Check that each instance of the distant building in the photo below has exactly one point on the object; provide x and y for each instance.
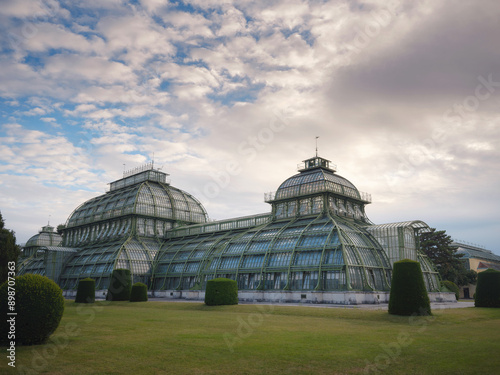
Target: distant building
(476, 259)
(316, 244)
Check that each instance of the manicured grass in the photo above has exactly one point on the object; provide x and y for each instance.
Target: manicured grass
(191, 338)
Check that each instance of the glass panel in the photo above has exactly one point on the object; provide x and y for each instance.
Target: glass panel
(313, 241)
(307, 258)
(333, 280)
(279, 259)
(259, 246)
(334, 257)
(285, 243)
(253, 261)
(229, 262)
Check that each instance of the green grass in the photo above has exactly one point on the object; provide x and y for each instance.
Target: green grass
(191, 338)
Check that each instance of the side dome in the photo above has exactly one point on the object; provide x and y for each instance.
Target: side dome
(45, 237)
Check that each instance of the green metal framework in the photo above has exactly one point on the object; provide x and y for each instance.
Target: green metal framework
(318, 189)
(32, 258)
(317, 237)
(401, 241)
(314, 239)
(318, 252)
(124, 228)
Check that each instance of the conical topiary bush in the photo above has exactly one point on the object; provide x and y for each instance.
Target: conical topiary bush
(120, 285)
(408, 293)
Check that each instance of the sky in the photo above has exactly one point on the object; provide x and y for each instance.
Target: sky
(228, 97)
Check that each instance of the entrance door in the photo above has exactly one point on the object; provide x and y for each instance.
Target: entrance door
(466, 293)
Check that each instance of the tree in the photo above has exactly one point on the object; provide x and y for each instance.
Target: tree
(9, 251)
(437, 245)
(60, 228)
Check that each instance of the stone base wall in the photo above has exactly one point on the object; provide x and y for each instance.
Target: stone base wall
(282, 296)
(340, 298)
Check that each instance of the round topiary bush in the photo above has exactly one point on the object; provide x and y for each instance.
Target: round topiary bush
(408, 293)
(488, 289)
(452, 287)
(86, 291)
(120, 285)
(39, 305)
(139, 293)
(221, 291)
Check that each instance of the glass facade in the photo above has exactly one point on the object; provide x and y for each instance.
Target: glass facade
(312, 253)
(400, 241)
(31, 259)
(317, 237)
(125, 227)
(316, 189)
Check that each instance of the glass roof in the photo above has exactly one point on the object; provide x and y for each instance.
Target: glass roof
(320, 252)
(316, 180)
(474, 252)
(146, 198)
(46, 237)
(99, 259)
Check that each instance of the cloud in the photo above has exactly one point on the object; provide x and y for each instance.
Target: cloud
(134, 39)
(70, 68)
(31, 10)
(55, 37)
(52, 160)
(48, 119)
(433, 61)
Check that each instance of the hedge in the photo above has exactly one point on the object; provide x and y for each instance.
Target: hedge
(120, 285)
(221, 291)
(39, 305)
(408, 293)
(488, 289)
(452, 287)
(139, 293)
(86, 291)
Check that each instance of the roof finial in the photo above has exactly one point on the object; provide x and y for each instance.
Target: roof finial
(317, 146)
(153, 163)
(48, 222)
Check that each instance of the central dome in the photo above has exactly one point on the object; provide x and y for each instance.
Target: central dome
(317, 176)
(316, 180)
(316, 188)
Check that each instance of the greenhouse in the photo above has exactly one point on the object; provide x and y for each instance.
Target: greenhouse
(44, 255)
(400, 241)
(123, 228)
(316, 239)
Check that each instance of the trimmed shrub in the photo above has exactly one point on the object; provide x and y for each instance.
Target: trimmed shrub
(139, 292)
(408, 293)
(488, 289)
(221, 291)
(86, 291)
(452, 287)
(120, 285)
(39, 305)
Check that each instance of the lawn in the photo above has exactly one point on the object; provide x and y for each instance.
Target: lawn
(191, 338)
